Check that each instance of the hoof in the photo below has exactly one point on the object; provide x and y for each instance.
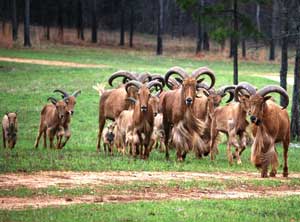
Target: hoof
(180, 159)
(239, 162)
(285, 174)
(272, 174)
(233, 155)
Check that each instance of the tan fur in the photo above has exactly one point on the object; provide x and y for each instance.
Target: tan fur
(135, 127)
(107, 141)
(51, 121)
(9, 130)
(231, 120)
(158, 134)
(274, 127)
(174, 110)
(204, 110)
(123, 123)
(111, 104)
(186, 135)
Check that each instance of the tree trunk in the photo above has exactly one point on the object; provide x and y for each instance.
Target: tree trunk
(223, 43)
(131, 27)
(206, 45)
(295, 118)
(14, 21)
(27, 24)
(48, 31)
(199, 29)
(199, 36)
(176, 21)
(284, 52)
(94, 21)
(122, 23)
(244, 48)
(159, 49)
(60, 21)
(235, 42)
(272, 49)
(273, 31)
(231, 51)
(258, 16)
(80, 26)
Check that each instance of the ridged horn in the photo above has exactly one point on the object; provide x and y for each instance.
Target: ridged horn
(120, 73)
(204, 71)
(131, 99)
(134, 83)
(175, 70)
(244, 86)
(64, 93)
(273, 88)
(52, 100)
(222, 91)
(156, 84)
(158, 78)
(76, 93)
(144, 77)
(173, 83)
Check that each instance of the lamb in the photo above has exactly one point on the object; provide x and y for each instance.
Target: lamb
(51, 122)
(108, 137)
(70, 101)
(10, 129)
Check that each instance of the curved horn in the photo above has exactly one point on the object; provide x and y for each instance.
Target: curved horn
(155, 83)
(131, 99)
(207, 91)
(175, 70)
(243, 86)
(53, 100)
(135, 83)
(121, 73)
(204, 71)
(76, 93)
(222, 90)
(202, 85)
(144, 77)
(158, 78)
(173, 83)
(229, 89)
(64, 93)
(273, 88)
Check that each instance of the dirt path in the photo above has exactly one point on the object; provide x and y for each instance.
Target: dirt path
(51, 63)
(70, 180)
(14, 203)
(275, 77)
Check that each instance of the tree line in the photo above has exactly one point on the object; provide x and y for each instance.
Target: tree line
(245, 24)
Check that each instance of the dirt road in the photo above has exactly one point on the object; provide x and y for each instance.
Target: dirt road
(51, 63)
(70, 180)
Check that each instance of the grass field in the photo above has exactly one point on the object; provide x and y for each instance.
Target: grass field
(25, 87)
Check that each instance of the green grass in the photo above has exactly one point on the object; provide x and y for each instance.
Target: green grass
(268, 209)
(25, 88)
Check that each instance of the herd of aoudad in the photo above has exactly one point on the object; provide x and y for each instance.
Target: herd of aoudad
(187, 117)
